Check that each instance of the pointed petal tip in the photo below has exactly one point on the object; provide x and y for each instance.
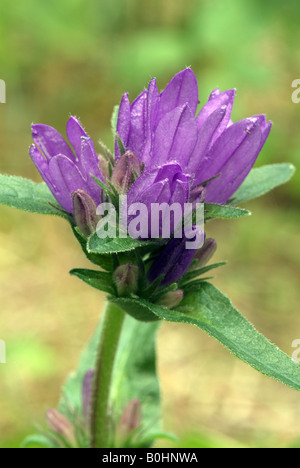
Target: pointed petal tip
(36, 129)
(33, 150)
(74, 125)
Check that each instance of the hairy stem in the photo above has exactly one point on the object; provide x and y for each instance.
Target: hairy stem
(111, 328)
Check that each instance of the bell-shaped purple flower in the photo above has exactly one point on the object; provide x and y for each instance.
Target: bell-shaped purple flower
(159, 197)
(176, 258)
(66, 170)
(164, 127)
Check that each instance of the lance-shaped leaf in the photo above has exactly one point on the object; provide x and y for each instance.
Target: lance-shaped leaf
(209, 309)
(212, 211)
(97, 279)
(263, 179)
(115, 245)
(27, 195)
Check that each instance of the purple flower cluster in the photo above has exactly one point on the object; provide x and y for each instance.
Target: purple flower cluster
(172, 155)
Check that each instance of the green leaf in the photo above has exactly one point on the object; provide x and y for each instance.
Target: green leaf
(261, 180)
(115, 245)
(95, 278)
(212, 210)
(27, 195)
(136, 308)
(212, 311)
(104, 261)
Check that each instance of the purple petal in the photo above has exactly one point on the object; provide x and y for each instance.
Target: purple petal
(42, 166)
(152, 104)
(123, 124)
(235, 183)
(265, 128)
(168, 171)
(74, 133)
(138, 124)
(159, 192)
(180, 192)
(67, 180)
(204, 139)
(173, 262)
(140, 185)
(215, 101)
(236, 168)
(182, 89)
(164, 185)
(175, 137)
(225, 146)
(50, 141)
(152, 112)
(90, 166)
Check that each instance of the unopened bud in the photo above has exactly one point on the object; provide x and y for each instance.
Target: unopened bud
(103, 166)
(84, 209)
(126, 279)
(125, 172)
(131, 420)
(171, 299)
(58, 423)
(204, 254)
(197, 195)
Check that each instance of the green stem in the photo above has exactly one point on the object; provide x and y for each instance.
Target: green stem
(111, 328)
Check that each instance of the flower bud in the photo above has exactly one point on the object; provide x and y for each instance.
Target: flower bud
(204, 254)
(103, 166)
(58, 423)
(171, 299)
(125, 172)
(126, 278)
(176, 257)
(131, 420)
(84, 212)
(197, 195)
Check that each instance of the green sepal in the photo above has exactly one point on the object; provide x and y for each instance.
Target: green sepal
(190, 275)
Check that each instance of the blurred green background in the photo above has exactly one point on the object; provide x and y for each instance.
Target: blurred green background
(78, 57)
